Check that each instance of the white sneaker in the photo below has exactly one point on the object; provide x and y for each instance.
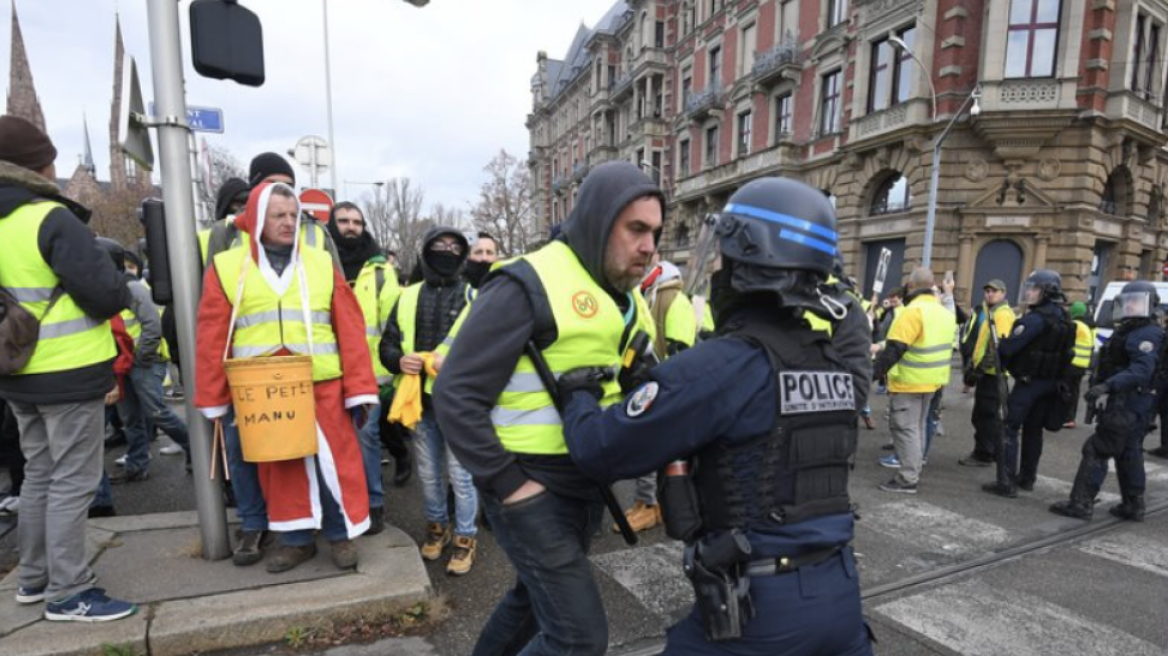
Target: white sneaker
(121, 462)
(171, 450)
(9, 505)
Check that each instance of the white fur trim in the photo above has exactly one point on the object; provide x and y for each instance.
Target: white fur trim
(215, 412)
(278, 283)
(328, 470)
(361, 399)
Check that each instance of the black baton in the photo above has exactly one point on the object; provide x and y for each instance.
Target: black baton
(549, 381)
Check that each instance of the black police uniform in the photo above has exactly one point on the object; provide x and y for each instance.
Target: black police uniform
(1037, 354)
(768, 411)
(1127, 366)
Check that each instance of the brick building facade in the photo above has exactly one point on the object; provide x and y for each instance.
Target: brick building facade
(1063, 165)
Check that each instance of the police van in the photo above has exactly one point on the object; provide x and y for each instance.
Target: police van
(1103, 322)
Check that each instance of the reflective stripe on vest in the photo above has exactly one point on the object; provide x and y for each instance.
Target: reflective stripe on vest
(927, 361)
(68, 338)
(134, 328)
(589, 330)
(266, 323)
(1084, 345)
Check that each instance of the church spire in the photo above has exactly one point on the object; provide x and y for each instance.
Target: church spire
(118, 170)
(22, 97)
(87, 156)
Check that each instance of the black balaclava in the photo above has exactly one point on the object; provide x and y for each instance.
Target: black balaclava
(443, 267)
(476, 271)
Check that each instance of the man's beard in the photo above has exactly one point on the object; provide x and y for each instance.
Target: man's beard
(619, 277)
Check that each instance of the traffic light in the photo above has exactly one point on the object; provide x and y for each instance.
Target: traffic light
(152, 214)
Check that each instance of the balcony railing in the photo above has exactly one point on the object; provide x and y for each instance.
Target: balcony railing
(602, 153)
(650, 57)
(622, 86)
(699, 104)
(762, 162)
(769, 67)
(1129, 105)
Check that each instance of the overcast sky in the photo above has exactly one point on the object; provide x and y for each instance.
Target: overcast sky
(430, 93)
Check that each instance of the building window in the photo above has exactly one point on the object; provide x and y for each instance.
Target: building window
(837, 12)
(686, 85)
(656, 164)
(880, 75)
(711, 146)
(659, 34)
(1147, 48)
(715, 66)
(683, 158)
(789, 21)
(782, 115)
(744, 122)
(893, 195)
(1032, 38)
(901, 77)
(830, 105)
(749, 43)
(611, 75)
(688, 17)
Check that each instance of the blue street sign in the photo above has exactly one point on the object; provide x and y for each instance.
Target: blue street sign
(202, 119)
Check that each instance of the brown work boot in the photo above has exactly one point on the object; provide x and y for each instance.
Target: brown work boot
(344, 554)
(437, 537)
(286, 558)
(641, 517)
(464, 554)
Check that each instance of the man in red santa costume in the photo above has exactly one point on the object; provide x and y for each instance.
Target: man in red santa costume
(257, 300)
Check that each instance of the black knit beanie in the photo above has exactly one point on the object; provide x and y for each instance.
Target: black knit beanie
(266, 164)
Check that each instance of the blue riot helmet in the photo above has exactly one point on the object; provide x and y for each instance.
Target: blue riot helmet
(1137, 300)
(1042, 285)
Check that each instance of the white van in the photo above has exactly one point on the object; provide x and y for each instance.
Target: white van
(1103, 323)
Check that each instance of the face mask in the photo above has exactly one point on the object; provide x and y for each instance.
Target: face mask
(721, 293)
(476, 271)
(444, 263)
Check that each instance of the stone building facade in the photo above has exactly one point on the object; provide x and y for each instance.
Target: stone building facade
(1061, 163)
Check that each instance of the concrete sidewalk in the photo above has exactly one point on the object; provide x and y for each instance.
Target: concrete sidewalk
(188, 605)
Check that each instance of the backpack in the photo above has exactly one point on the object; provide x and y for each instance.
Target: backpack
(19, 331)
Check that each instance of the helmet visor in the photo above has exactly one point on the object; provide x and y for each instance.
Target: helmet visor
(1032, 293)
(1132, 305)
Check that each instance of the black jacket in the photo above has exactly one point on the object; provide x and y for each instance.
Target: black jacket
(87, 274)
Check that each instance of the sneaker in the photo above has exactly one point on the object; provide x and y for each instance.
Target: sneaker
(890, 461)
(1026, 484)
(121, 461)
(1007, 491)
(973, 461)
(30, 594)
(344, 554)
(868, 423)
(463, 557)
(641, 517)
(286, 557)
(1072, 510)
(127, 476)
(1069, 424)
(437, 537)
(897, 485)
(250, 549)
(376, 521)
(90, 606)
(171, 450)
(10, 505)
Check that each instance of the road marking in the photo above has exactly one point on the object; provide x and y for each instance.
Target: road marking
(973, 619)
(1131, 550)
(652, 574)
(932, 527)
(1056, 489)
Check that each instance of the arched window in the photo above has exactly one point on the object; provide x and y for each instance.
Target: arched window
(1114, 193)
(893, 195)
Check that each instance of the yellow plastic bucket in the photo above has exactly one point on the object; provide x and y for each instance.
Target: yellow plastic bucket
(274, 406)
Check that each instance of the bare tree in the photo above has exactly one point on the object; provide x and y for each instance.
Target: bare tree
(115, 215)
(440, 215)
(395, 217)
(505, 206)
(223, 165)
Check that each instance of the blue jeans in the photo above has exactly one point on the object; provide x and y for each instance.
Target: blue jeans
(141, 409)
(370, 437)
(245, 480)
(932, 421)
(555, 605)
(332, 524)
(435, 457)
(105, 494)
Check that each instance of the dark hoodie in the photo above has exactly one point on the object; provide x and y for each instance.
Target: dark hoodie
(494, 334)
(86, 274)
(354, 251)
(228, 191)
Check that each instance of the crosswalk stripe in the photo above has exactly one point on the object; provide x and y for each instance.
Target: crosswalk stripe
(1131, 550)
(932, 527)
(1056, 489)
(973, 619)
(652, 574)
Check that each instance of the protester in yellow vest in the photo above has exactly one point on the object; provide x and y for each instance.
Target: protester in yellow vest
(272, 296)
(981, 371)
(915, 362)
(1084, 348)
(52, 269)
(573, 301)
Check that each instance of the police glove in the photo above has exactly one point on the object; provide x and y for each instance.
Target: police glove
(1095, 392)
(586, 379)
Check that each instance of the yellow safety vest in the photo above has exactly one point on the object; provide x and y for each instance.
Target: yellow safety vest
(376, 306)
(204, 236)
(678, 323)
(1084, 345)
(68, 338)
(590, 332)
(266, 322)
(927, 361)
(991, 316)
(407, 323)
(134, 329)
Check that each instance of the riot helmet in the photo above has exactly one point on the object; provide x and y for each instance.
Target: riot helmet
(1137, 300)
(116, 252)
(779, 236)
(1042, 285)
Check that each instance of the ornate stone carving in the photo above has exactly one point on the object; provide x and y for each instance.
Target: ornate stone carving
(1049, 168)
(1029, 91)
(977, 169)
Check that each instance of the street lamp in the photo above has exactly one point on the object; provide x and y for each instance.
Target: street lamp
(900, 45)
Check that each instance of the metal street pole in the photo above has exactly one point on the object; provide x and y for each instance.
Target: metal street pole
(181, 244)
(328, 87)
(935, 179)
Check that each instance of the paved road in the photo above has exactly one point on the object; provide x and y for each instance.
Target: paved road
(1101, 595)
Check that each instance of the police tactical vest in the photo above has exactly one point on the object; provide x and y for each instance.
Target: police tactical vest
(1050, 355)
(799, 470)
(68, 338)
(1113, 358)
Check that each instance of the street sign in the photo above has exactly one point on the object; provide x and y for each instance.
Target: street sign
(317, 203)
(133, 131)
(881, 271)
(202, 119)
(314, 154)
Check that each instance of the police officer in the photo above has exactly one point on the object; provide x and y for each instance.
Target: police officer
(1127, 365)
(766, 416)
(1037, 354)
(1161, 384)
